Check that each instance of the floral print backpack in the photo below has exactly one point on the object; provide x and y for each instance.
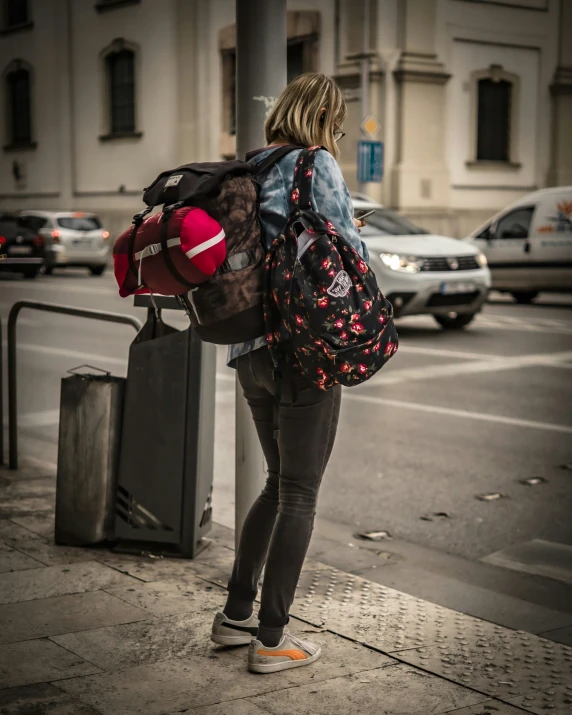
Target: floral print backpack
(322, 296)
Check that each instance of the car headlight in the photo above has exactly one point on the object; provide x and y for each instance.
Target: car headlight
(482, 260)
(405, 264)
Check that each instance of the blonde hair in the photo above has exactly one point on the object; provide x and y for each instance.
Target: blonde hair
(297, 116)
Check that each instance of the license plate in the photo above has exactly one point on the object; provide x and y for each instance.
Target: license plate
(19, 250)
(451, 288)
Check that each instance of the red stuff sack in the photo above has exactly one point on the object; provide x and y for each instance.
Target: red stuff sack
(169, 253)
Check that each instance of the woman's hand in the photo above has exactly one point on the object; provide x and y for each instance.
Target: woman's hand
(359, 224)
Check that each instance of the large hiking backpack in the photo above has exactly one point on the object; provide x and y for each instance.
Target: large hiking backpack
(325, 296)
(205, 247)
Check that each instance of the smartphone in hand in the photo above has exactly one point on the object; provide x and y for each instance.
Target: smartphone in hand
(364, 214)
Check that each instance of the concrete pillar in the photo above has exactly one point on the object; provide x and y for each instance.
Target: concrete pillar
(420, 178)
(560, 173)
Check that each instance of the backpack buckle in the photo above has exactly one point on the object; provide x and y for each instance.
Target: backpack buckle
(167, 210)
(138, 218)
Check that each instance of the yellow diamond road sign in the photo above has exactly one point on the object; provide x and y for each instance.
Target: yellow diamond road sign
(371, 125)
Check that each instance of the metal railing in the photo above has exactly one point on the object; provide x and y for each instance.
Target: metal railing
(12, 367)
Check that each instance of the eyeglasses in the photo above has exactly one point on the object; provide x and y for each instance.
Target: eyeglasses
(338, 136)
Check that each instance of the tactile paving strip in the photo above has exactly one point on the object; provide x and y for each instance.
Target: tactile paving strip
(490, 658)
(364, 610)
(557, 701)
(510, 665)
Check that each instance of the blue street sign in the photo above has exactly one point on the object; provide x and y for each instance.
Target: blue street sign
(370, 161)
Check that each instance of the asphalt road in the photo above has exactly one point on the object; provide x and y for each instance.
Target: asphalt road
(452, 416)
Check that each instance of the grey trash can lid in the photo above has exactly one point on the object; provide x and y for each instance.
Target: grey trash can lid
(99, 375)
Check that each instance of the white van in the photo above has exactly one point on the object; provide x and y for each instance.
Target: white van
(529, 244)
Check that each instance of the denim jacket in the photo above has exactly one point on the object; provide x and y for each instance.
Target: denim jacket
(330, 197)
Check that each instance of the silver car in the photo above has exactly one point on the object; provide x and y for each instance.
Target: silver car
(71, 238)
(422, 273)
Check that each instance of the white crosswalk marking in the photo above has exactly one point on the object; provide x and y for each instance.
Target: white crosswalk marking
(496, 364)
(463, 414)
(537, 325)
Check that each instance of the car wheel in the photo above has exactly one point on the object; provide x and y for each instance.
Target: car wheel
(454, 322)
(524, 296)
(97, 270)
(48, 270)
(30, 272)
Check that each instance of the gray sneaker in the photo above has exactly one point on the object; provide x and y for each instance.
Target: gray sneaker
(291, 652)
(228, 632)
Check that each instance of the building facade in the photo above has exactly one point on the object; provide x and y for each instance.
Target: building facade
(473, 98)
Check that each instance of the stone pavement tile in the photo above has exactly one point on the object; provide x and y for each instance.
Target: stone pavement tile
(12, 533)
(39, 661)
(222, 535)
(11, 560)
(233, 707)
(487, 707)
(41, 524)
(57, 581)
(27, 470)
(167, 598)
(396, 690)
(33, 536)
(171, 686)
(40, 699)
(149, 641)
(64, 614)
(505, 665)
(19, 506)
(51, 554)
(213, 562)
(37, 486)
(215, 567)
(556, 701)
(340, 656)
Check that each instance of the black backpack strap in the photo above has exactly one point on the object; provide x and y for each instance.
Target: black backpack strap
(137, 221)
(302, 188)
(273, 158)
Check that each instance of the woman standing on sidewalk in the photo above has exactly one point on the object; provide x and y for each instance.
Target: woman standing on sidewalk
(278, 527)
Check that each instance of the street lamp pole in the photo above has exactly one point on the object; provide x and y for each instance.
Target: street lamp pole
(364, 68)
(260, 77)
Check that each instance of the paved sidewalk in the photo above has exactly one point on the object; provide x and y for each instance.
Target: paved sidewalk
(85, 631)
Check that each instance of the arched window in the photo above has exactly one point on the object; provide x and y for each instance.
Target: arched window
(495, 95)
(121, 87)
(18, 86)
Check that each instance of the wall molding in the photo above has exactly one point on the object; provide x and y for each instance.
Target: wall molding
(31, 195)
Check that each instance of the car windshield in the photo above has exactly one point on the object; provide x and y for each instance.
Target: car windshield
(11, 225)
(389, 224)
(84, 223)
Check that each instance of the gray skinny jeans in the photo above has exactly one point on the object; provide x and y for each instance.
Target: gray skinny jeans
(279, 525)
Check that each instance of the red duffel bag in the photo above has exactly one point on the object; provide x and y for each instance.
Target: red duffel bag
(169, 253)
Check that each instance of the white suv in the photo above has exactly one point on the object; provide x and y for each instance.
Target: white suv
(71, 239)
(420, 273)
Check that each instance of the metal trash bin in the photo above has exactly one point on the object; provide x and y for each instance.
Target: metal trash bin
(91, 408)
(165, 480)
